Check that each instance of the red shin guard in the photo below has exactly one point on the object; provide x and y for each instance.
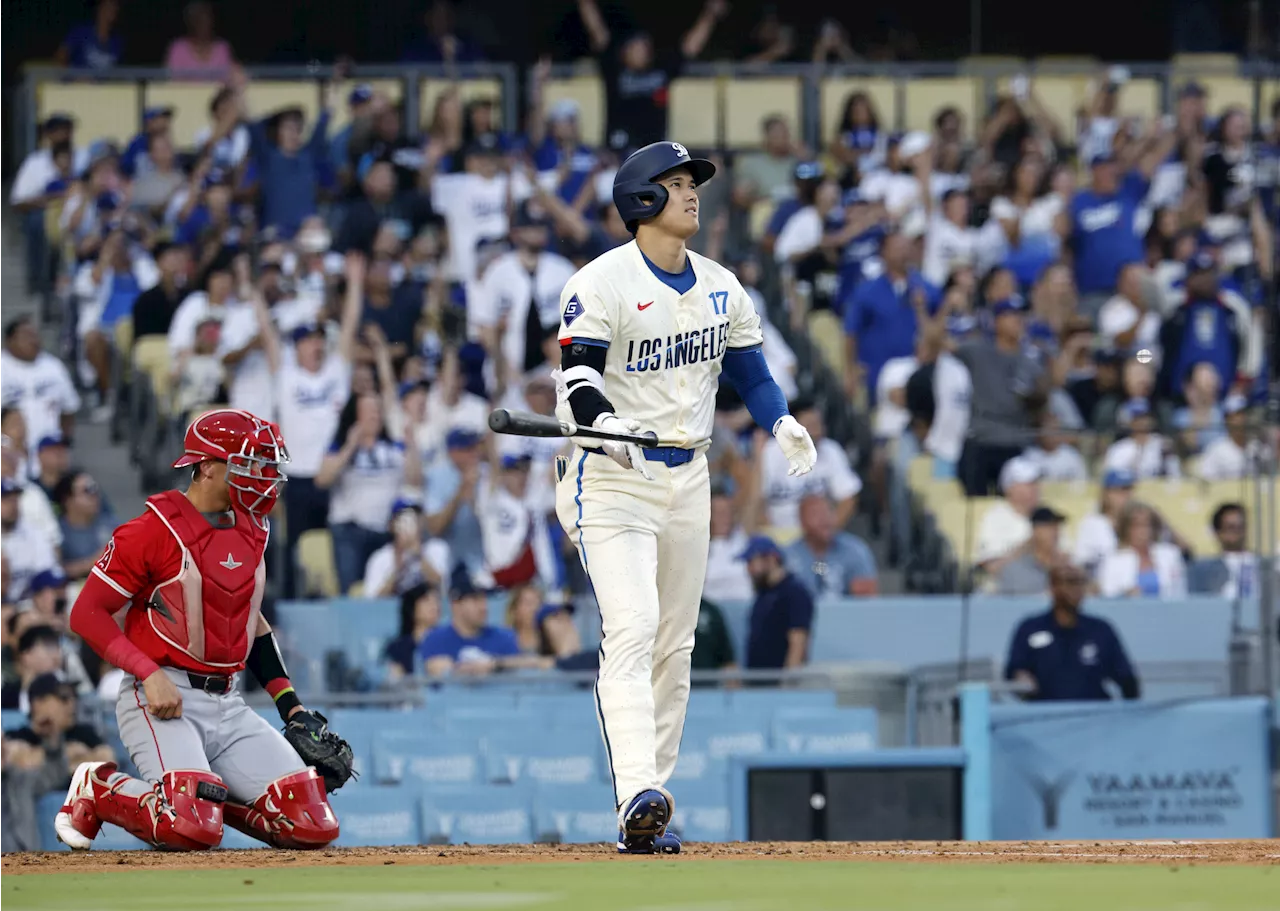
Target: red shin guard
(292, 813)
(183, 812)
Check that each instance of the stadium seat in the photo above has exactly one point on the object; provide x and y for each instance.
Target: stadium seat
(1226, 64)
(340, 116)
(47, 808)
(736, 734)
(924, 98)
(707, 701)
(358, 727)
(565, 756)
(12, 720)
(1221, 90)
(954, 523)
(702, 810)
(1142, 99)
(580, 814)
(370, 816)
(424, 755)
(559, 707)
(694, 110)
(761, 702)
(748, 101)
(457, 700)
(430, 90)
(826, 331)
(489, 815)
(834, 92)
(588, 91)
(364, 627)
(190, 102)
(315, 560)
(151, 356)
(847, 730)
(101, 111)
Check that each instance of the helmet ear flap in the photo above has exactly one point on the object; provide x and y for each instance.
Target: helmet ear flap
(647, 201)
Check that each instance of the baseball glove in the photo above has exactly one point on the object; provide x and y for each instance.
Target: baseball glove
(320, 748)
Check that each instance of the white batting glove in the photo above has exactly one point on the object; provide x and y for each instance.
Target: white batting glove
(628, 455)
(796, 444)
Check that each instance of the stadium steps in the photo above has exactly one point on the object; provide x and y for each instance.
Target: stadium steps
(92, 448)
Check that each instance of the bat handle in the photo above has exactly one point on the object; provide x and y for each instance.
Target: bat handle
(650, 439)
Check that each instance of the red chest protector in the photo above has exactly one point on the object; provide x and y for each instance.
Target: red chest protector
(209, 610)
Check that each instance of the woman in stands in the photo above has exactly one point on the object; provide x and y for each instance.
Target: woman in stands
(419, 615)
(859, 143)
(1143, 566)
(541, 629)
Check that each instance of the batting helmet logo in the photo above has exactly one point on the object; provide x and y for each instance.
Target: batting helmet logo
(636, 192)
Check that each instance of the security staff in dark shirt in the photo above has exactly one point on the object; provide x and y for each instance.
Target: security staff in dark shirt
(782, 614)
(1065, 654)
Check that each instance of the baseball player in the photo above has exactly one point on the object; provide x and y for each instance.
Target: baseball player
(189, 573)
(645, 331)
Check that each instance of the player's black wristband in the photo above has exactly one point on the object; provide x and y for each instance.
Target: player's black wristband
(268, 669)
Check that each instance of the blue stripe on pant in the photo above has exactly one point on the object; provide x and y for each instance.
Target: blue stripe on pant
(582, 549)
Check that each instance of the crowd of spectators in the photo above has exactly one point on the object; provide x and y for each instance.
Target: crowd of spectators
(1016, 305)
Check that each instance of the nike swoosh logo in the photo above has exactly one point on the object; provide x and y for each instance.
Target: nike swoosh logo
(644, 306)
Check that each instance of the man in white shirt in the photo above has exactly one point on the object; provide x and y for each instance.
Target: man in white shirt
(451, 407)
(216, 300)
(1057, 459)
(949, 241)
(311, 386)
(36, 383)
(896, 185)
(1234, 455)
(26, 552)
(1006, 525)
(409, 558)
(1125, 321)
(474, 206)
(37, 170)
(831, 475)
(1144, 452)
(727, 576)
(518, 303)
(33, 503)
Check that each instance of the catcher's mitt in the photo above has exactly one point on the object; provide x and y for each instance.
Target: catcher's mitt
(320, 748)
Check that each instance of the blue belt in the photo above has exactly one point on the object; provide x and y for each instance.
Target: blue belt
(670, 455)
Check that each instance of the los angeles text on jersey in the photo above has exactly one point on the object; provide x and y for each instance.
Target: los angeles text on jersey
(679, 350)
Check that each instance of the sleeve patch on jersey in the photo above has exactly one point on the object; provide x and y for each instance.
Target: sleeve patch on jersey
(105, 560)
(573, 310)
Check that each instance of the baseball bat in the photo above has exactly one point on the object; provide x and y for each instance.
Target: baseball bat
(527, 424)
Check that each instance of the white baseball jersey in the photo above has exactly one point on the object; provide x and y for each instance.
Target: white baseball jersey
(42, 389)
(665, 349)
(509, 290)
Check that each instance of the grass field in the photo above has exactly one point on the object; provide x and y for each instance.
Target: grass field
(676, 884)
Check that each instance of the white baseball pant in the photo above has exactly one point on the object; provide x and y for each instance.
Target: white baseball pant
(644, 547)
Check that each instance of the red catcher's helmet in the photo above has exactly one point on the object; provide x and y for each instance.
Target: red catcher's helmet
(253, 449)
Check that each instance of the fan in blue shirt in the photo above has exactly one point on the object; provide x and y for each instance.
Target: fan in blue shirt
(881, 319)
(94, 45)
(468, 644)
(1064, 654)
(1101, 224)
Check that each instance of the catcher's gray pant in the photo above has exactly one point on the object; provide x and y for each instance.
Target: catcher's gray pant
(216, 733)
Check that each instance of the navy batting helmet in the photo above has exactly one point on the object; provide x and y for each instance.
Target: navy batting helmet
(636, 194)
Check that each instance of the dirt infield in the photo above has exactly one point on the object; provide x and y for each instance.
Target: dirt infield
(1174, 853)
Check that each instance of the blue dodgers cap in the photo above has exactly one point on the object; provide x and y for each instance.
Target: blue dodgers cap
(162, 110)
(360, 94)
(53, 439)
(10, 486)
(409, 386)
(1119, 477)
(517, 460)
(1202, 261)
(306, 330)
(49, 578)
(405, 503)
(1135, 408)
(759, 546)
(1014, 304)
(461, 438)
(1107, 157)
(808, 170)
(1234, 404)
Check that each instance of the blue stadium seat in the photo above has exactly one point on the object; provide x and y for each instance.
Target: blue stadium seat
(758, 701)
(560, 707)
(376, 816)
(737, 734)
(358, 727)
(364, 625)
(487, 814)
(705, 701)
(12, 720)
(575, 815)
(702, 809)
(429, 756)
(562, 756)
(47, 807)
(849, 730)
(235, 840)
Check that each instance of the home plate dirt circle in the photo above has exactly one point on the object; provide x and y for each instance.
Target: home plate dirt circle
(1174, 853)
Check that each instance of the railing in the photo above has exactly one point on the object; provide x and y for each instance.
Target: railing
(1253, 83)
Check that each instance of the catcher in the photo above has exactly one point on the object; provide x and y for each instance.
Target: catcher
(190, 572)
